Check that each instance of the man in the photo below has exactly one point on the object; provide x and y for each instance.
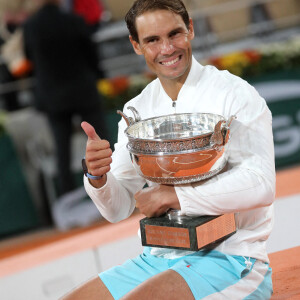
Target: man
(236, 268)
(66, 71)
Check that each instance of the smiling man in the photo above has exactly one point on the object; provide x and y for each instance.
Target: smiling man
(237, 268)
(165, 41)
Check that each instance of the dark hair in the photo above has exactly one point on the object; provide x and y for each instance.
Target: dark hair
(139, 7)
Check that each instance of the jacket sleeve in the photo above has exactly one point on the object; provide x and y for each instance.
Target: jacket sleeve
(249, 181)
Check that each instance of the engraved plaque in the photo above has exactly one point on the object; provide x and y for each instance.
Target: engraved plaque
(167, 236)
(189, 233)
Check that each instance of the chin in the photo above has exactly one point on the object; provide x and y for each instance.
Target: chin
(174, 75)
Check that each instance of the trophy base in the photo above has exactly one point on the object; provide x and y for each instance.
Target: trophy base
(188, 233)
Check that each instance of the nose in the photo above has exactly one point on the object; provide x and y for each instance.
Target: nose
(167, 46)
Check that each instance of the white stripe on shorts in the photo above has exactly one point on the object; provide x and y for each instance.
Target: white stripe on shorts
(244, 287)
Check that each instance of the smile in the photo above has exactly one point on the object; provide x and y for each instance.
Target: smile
(171, 62)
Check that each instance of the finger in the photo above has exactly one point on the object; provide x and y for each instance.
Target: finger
(90, 131)
(100, 171)
(100, 163)
(95, 146)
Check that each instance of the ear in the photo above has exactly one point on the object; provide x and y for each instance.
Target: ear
(136, 46)
(191, 30)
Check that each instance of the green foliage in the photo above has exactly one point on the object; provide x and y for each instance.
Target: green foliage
(2, 122)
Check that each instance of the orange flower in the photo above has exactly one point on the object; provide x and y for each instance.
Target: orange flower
(22, 68)
(216, 61)
(253, 55)
(120, 84)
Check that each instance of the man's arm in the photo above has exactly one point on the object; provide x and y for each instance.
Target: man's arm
(250, 179)
(97, 156)
(113, 194)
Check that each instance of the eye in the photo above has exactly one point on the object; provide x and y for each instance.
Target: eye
(152, 40)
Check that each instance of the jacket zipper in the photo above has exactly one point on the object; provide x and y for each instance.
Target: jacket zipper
(174, 106)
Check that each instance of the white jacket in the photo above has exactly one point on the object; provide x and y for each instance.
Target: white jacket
(247, 188)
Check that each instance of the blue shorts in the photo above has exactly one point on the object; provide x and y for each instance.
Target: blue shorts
(209, 274)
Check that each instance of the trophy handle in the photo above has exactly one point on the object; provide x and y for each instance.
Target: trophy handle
(229, 121)
(227, 130)
(129, 120)
(136, 114)
(221, 132)
(217, 138)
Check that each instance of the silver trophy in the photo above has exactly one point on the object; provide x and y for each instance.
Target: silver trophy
(178, 149)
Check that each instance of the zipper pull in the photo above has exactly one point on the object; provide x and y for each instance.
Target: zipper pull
(174, 105)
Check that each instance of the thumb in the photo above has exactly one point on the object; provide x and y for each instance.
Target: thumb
(90, 131)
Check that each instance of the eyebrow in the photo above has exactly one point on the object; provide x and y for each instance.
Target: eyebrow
(148, 38)
(176, 30)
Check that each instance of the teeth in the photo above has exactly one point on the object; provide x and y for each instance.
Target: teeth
(169, 63)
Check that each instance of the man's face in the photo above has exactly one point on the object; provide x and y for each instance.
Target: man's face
(165, 43)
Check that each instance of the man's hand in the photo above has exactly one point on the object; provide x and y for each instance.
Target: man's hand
(97, 155)
(157, 200)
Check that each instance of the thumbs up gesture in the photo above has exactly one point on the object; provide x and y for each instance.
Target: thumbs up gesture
(97, 155)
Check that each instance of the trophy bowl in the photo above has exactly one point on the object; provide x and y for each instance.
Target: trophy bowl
(177, 148)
